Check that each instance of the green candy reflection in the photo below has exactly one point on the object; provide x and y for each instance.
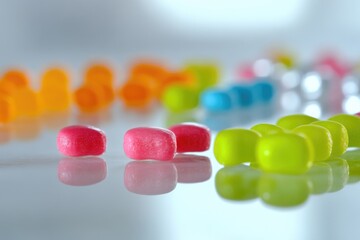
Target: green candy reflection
(340, 172)
(353, 159)
(321, 178)
(237, 183)
(283, 190)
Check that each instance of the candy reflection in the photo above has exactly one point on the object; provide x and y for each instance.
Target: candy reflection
(82, 171)
(150, 177)
(283, 190)
(237, 183)
(321, 177)
(353, 160)
(192, 168)
(340, 172)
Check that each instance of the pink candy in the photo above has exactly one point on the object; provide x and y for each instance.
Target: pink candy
(191, 137)
(150, 143)
(81, 141)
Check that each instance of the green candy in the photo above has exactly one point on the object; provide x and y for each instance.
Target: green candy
(339, 136)
(180, 98)
(235, 145)
(352, 125)
(292, 121)
(340, 171)
(265, 129)
(321, 177)
(353, 159)
(283, 190)
(206, 75)
(287, 153)
(319, 137)
(237, 182)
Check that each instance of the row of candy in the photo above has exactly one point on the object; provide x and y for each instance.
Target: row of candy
(291, 146)
(146, 82)
(139, 143)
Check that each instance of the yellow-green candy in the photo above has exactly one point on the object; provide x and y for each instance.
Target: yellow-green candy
(284, 153)
(320, 139)
(352, 125)
(206, 74)
(292, 121)
(179, 98)
(339, 136)
(265, 129)
(235, 145)
(283, 190)
(237, 182)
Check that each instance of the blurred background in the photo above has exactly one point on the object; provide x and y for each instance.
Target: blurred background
(39, 31)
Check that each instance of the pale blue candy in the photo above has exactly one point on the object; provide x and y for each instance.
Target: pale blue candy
(216, 100)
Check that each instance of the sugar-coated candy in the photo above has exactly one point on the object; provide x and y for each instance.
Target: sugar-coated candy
(150, 143)
(7, 109)
(242, 95)
(27, 102)
(14, 79)
(283, 190)
(55, 91)
(78, 140)
(82, 171)
(178, 78)
(319, 137)
(235, 145)
(215, 100)
(87, 99)
(99, 74)
(352, 124)
(339, 136)
(150, 177)
(135, 94)
(206, 74)
(180, 98)
(284, 153)
(292, 121)
(263, 91)
(191, 137)
(237, 183)
(192, 168)
(265, 129)
(149, 68)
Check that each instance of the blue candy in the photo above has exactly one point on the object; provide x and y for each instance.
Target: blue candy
(242, 95)
(216, 100)
(263, 91)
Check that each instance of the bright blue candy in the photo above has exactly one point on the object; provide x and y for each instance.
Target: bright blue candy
(215, 100)
(242, 95)
(264, 91)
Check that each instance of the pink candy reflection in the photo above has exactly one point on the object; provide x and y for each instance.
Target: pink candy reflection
(150, 177)
(82, 171)
(192, 168)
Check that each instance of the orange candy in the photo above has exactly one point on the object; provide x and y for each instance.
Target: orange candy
(27, 102)
(135, 94)
(88, 99)
(7, 109)
(14, 79)
(55, 90)
(99, 74)
(156, 71)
